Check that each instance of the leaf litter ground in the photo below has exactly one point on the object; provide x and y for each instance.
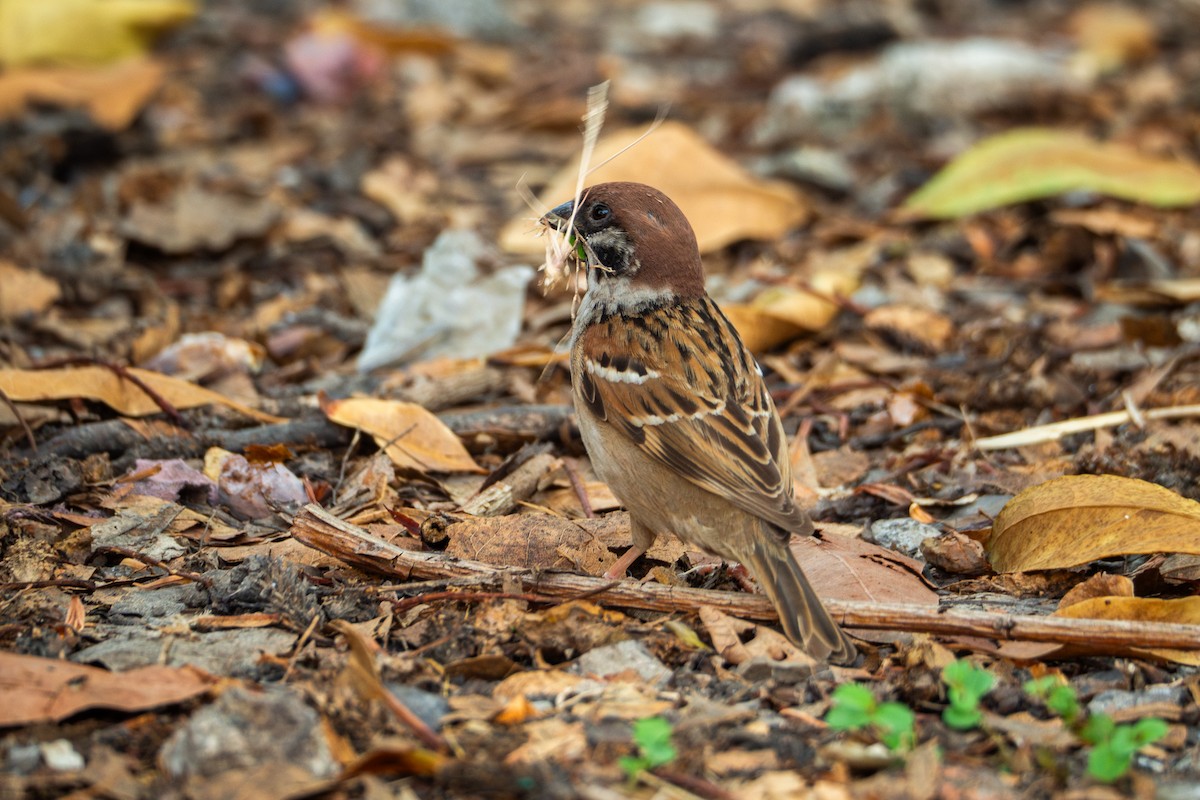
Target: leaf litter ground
(230, 573)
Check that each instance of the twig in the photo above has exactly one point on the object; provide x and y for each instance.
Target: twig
(66, 583)
(317, 528)
(24, 425)
(127, 552)
(585, 502)
(693, 784)
(1056, 430)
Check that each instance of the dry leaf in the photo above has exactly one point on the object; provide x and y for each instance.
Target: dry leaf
(1070, 521)
(412, 437)
(105, 386)
(723, 202)
(848, 568)
(782, 312)
(24, 291)
(1180, 611)
(84, 31)
(1035, 163)
(1102, 584)
(35, 690)
(912, 326)
(112, 96)
(1166, 291)
(1110, 36)
(194, 218)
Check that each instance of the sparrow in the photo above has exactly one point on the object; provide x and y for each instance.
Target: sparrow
(673, 409)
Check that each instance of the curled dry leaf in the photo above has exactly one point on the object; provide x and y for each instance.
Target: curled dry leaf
(1035, 163)
(723, 202)
(1070, 521)
(412, 437)
(105, 386)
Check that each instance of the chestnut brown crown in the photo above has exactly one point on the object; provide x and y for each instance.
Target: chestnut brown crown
(634, 232)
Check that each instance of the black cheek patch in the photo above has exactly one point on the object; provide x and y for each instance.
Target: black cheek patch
(609, 256)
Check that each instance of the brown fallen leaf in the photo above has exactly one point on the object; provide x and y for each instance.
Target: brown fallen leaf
(1166, 291)
(912, 326)
(723, 202)
(1111, 35)
(24, 291)
(195, 218)
(112, 96)
(728, 636)
(35, 690)
(781, 313)
(105, 386)
(1070, 521)
(851, 569)
(1102, 584)
(412, 437)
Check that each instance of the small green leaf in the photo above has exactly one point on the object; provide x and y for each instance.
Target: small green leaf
(652, 735)
(895, 722)
(1097, 729)
(853, 706)
(854, 694)
(1149, 730)
(1040, 687)
(631, 766)
(1063, 701)
(1106, 764)
(967, 677)
(962, 718)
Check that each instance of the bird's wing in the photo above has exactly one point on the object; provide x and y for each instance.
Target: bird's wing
(684, 389)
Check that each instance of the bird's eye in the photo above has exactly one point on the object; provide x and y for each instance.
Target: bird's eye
(600, 212)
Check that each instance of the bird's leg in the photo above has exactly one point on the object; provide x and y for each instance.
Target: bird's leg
(643, 538)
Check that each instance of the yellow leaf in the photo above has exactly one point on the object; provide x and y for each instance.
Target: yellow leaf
(781, 313)
(105, 386)
(1035, 163)
(74, 32)
(1180, 611)
(1070, 521)
(723, 202)
(412, 437)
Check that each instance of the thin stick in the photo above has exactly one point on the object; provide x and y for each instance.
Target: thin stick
(1056, 430)
(317, 528)
(20, 420)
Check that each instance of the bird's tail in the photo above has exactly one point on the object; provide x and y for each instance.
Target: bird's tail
(804, 618)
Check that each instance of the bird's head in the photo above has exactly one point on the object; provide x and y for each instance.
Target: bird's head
(632, 234)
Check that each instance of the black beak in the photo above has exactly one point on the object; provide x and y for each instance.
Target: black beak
(557, 217)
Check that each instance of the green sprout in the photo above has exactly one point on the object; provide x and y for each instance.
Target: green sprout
(855, 708)
(652, 736)
(1112, 746)
(966, 684)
